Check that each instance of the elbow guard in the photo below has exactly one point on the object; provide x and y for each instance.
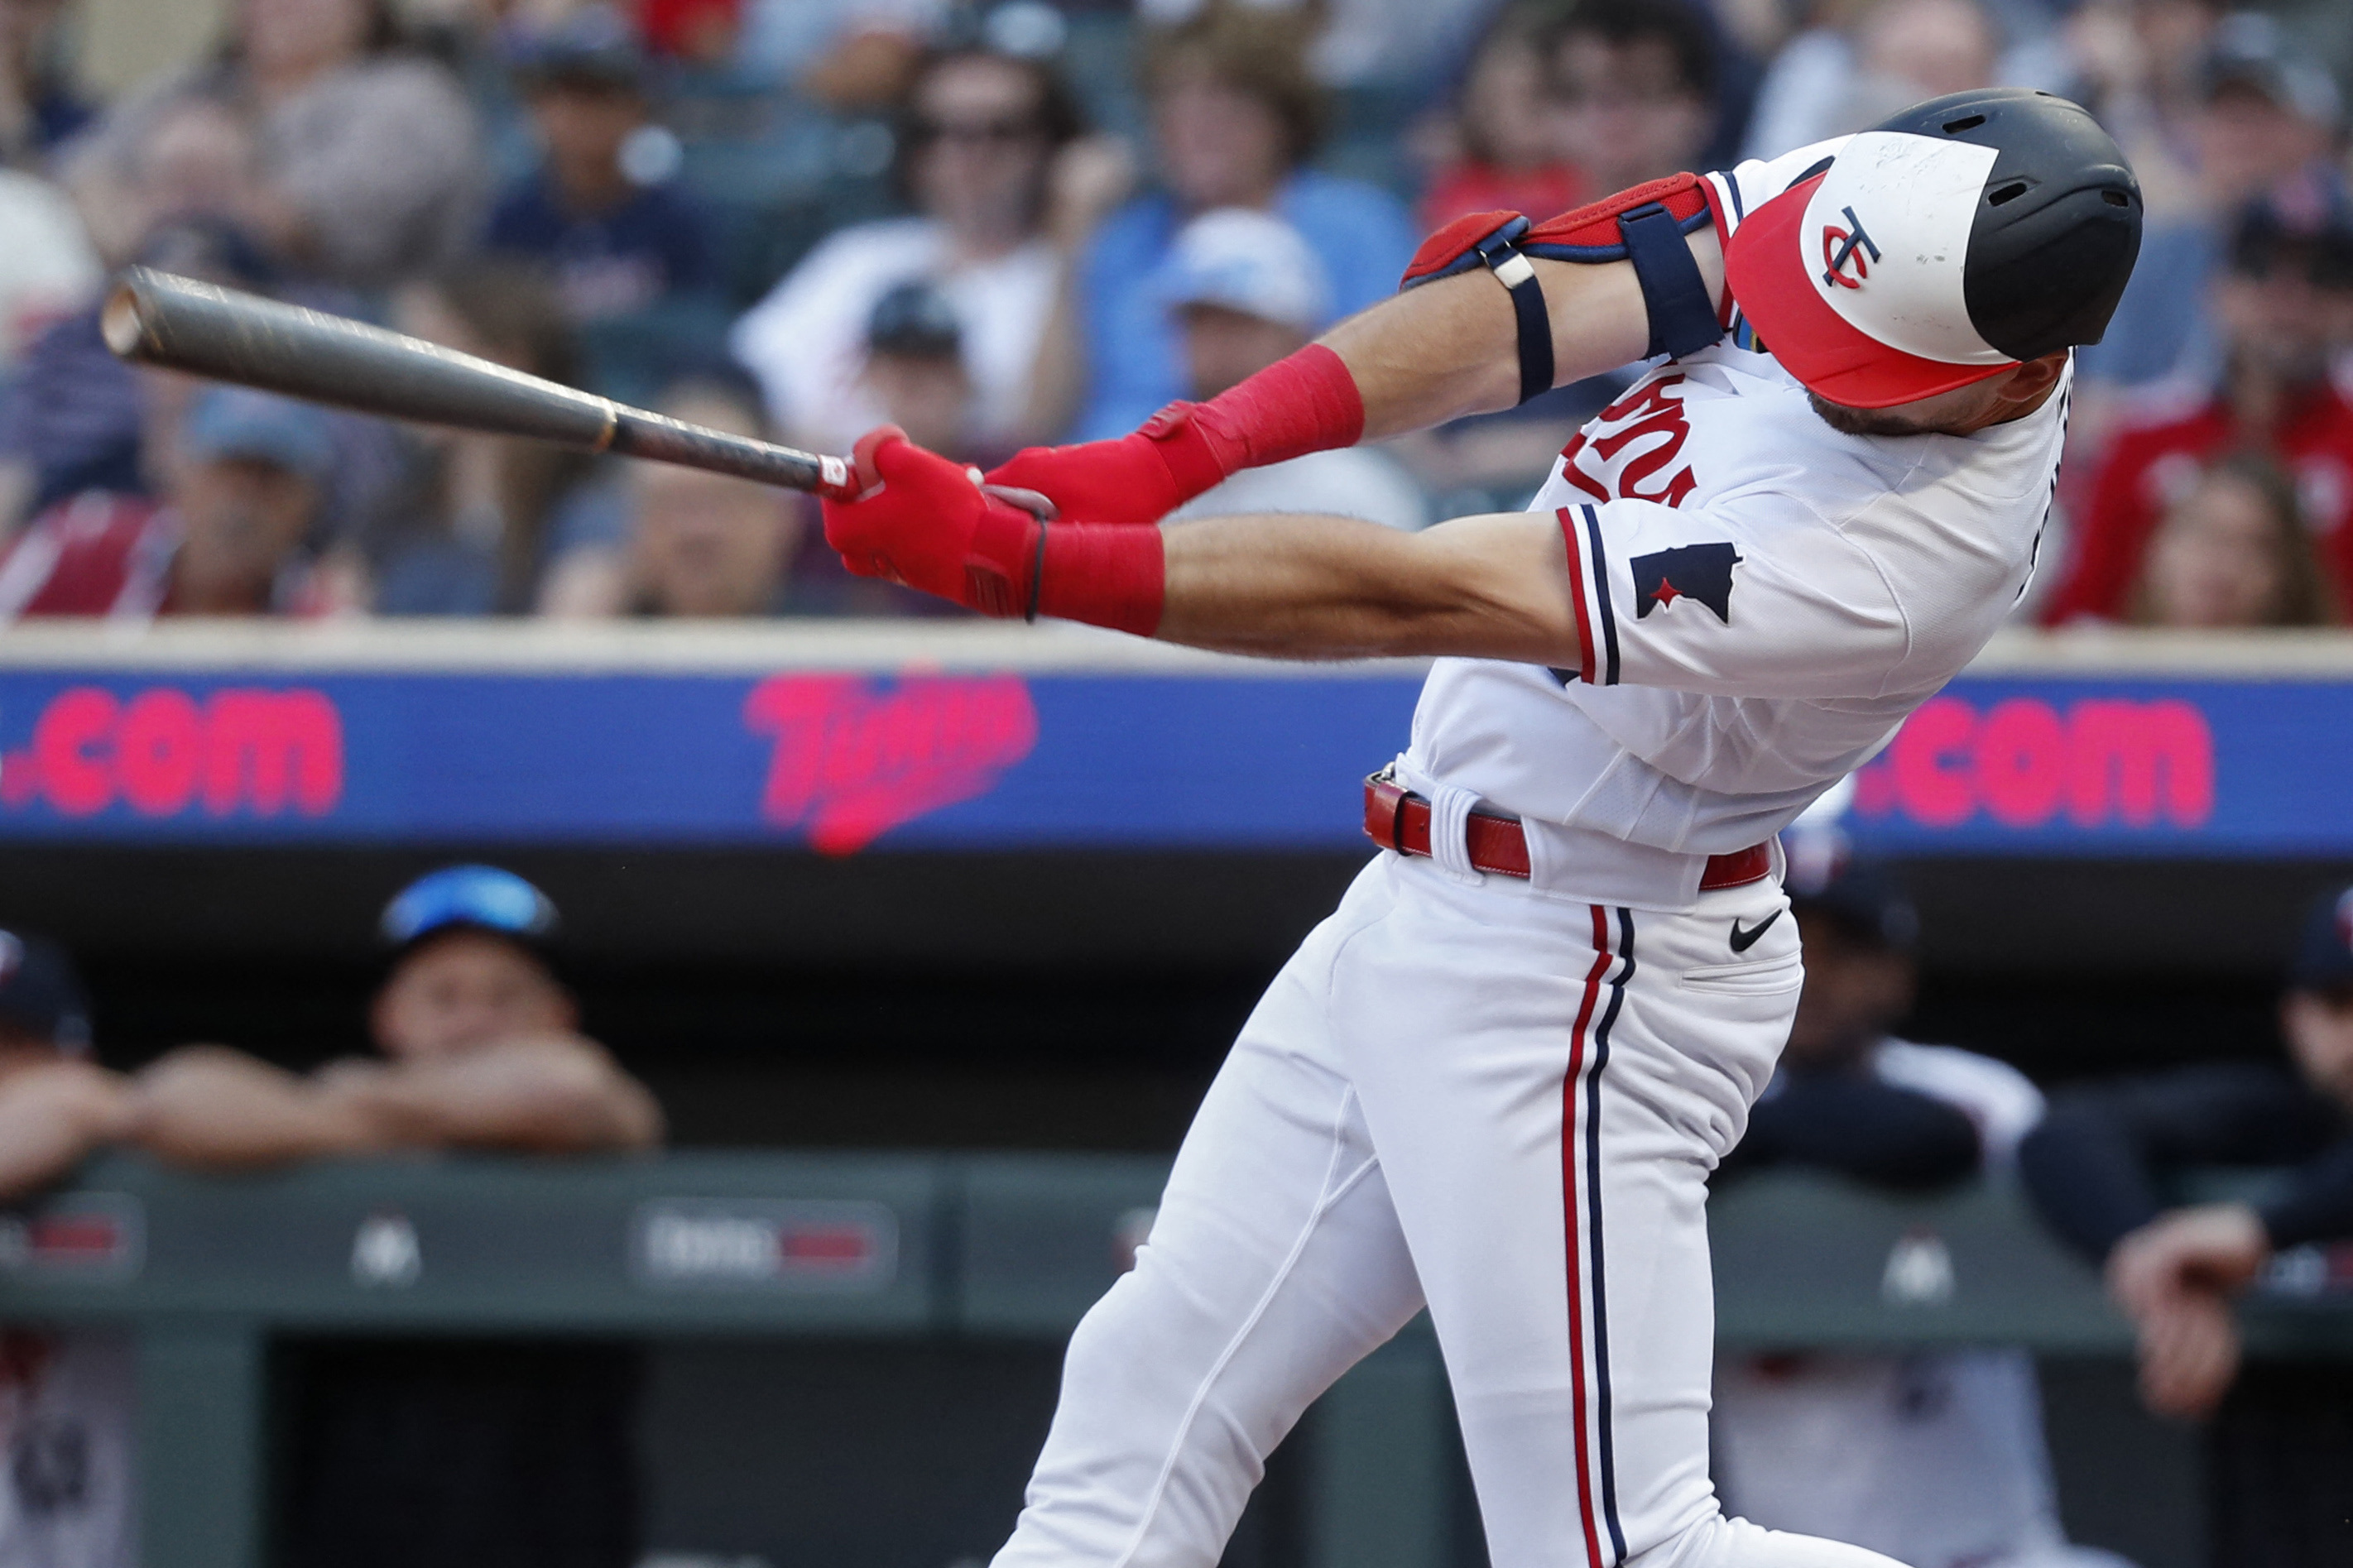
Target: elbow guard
(1645, 226)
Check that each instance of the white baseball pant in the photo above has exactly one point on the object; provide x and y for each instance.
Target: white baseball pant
(1480, 1095)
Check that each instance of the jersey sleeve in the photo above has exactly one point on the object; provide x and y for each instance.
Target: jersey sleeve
(1764, 601)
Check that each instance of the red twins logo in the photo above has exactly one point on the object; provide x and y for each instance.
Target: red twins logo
(854, 758)
(1842, 245)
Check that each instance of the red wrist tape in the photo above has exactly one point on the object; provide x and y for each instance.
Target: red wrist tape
(1306, 402)
(1106, 574)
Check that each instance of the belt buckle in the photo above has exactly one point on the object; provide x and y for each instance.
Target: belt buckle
(1390, 795)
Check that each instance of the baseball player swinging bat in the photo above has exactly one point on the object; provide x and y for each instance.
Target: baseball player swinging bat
(160, 318)
(1494, 1081)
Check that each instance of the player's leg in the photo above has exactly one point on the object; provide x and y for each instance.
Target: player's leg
(1273, 1265)
(1549, 1085)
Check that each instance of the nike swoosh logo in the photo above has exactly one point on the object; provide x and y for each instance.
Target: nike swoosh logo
(1742, 941)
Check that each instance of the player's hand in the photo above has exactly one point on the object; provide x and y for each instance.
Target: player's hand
(2188, 1354)
(2211, 1247)
(1140, 477)
(924, 521)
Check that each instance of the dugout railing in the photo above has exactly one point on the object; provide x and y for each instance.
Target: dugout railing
(904, 1247)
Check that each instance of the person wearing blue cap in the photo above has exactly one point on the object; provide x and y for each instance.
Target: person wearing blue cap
(479, 1049)
(603, 210)
(239, 505)
(479, 1042)
(2099, 1169)
(1245, 287)
(1933, 1458)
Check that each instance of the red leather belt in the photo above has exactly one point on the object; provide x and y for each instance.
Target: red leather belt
(1397, 818)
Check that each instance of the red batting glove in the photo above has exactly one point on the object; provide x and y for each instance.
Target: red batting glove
(1306, 403)
(924, 521)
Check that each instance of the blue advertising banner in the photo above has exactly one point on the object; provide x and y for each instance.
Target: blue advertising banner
(842, 761)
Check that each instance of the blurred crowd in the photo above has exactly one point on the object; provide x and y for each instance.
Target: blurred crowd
(1025, 222)
(999, 224)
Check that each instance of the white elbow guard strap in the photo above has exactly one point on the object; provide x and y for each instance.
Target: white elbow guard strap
(1645, 226)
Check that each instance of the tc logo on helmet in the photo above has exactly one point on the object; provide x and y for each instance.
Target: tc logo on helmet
(1841, 246)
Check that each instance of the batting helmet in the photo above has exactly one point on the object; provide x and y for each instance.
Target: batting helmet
(1941, 246)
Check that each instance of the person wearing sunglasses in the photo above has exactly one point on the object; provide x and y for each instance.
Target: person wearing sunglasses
(478, 1047)
(979, 139)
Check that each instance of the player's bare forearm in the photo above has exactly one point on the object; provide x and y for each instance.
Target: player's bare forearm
(1285, 586)
(1447, 349)
(216, 1109)
(54, 1117)
(556, 1095)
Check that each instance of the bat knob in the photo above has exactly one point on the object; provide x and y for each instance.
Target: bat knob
(120, 321)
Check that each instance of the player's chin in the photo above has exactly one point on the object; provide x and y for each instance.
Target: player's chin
(1860, 421)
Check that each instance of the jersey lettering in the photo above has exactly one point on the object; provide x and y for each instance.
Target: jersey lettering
(1630, 443)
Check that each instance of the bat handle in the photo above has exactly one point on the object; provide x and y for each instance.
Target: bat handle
(636, 432)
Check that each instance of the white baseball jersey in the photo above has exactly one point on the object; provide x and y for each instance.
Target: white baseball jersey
(1935, 1457)
(1501, 1098)
(1761, 601)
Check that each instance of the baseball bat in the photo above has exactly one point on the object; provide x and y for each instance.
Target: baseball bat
(161, 319)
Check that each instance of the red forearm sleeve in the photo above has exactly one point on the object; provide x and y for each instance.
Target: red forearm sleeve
(1306, 403)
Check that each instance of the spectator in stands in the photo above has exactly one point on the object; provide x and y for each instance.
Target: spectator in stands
(72, 417)
(481, 513)
(367, 157)
(2284, 306)
(1639, 78)
(848, 55)
(1235, 116)
(39, 110)
(2141, 67)
(2264, 130)
(1931, 1458)
(978, 143)
(2099, 1168)
(1858, 63)
(1247, 290)
(75, 418)
(69, 1399)
(617, 238)
(915, 372)
(2233, 551)
(685, 542)
(704, 33)
(48, 269)
(479, 1049)
(1504, 145)
(229, 537)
